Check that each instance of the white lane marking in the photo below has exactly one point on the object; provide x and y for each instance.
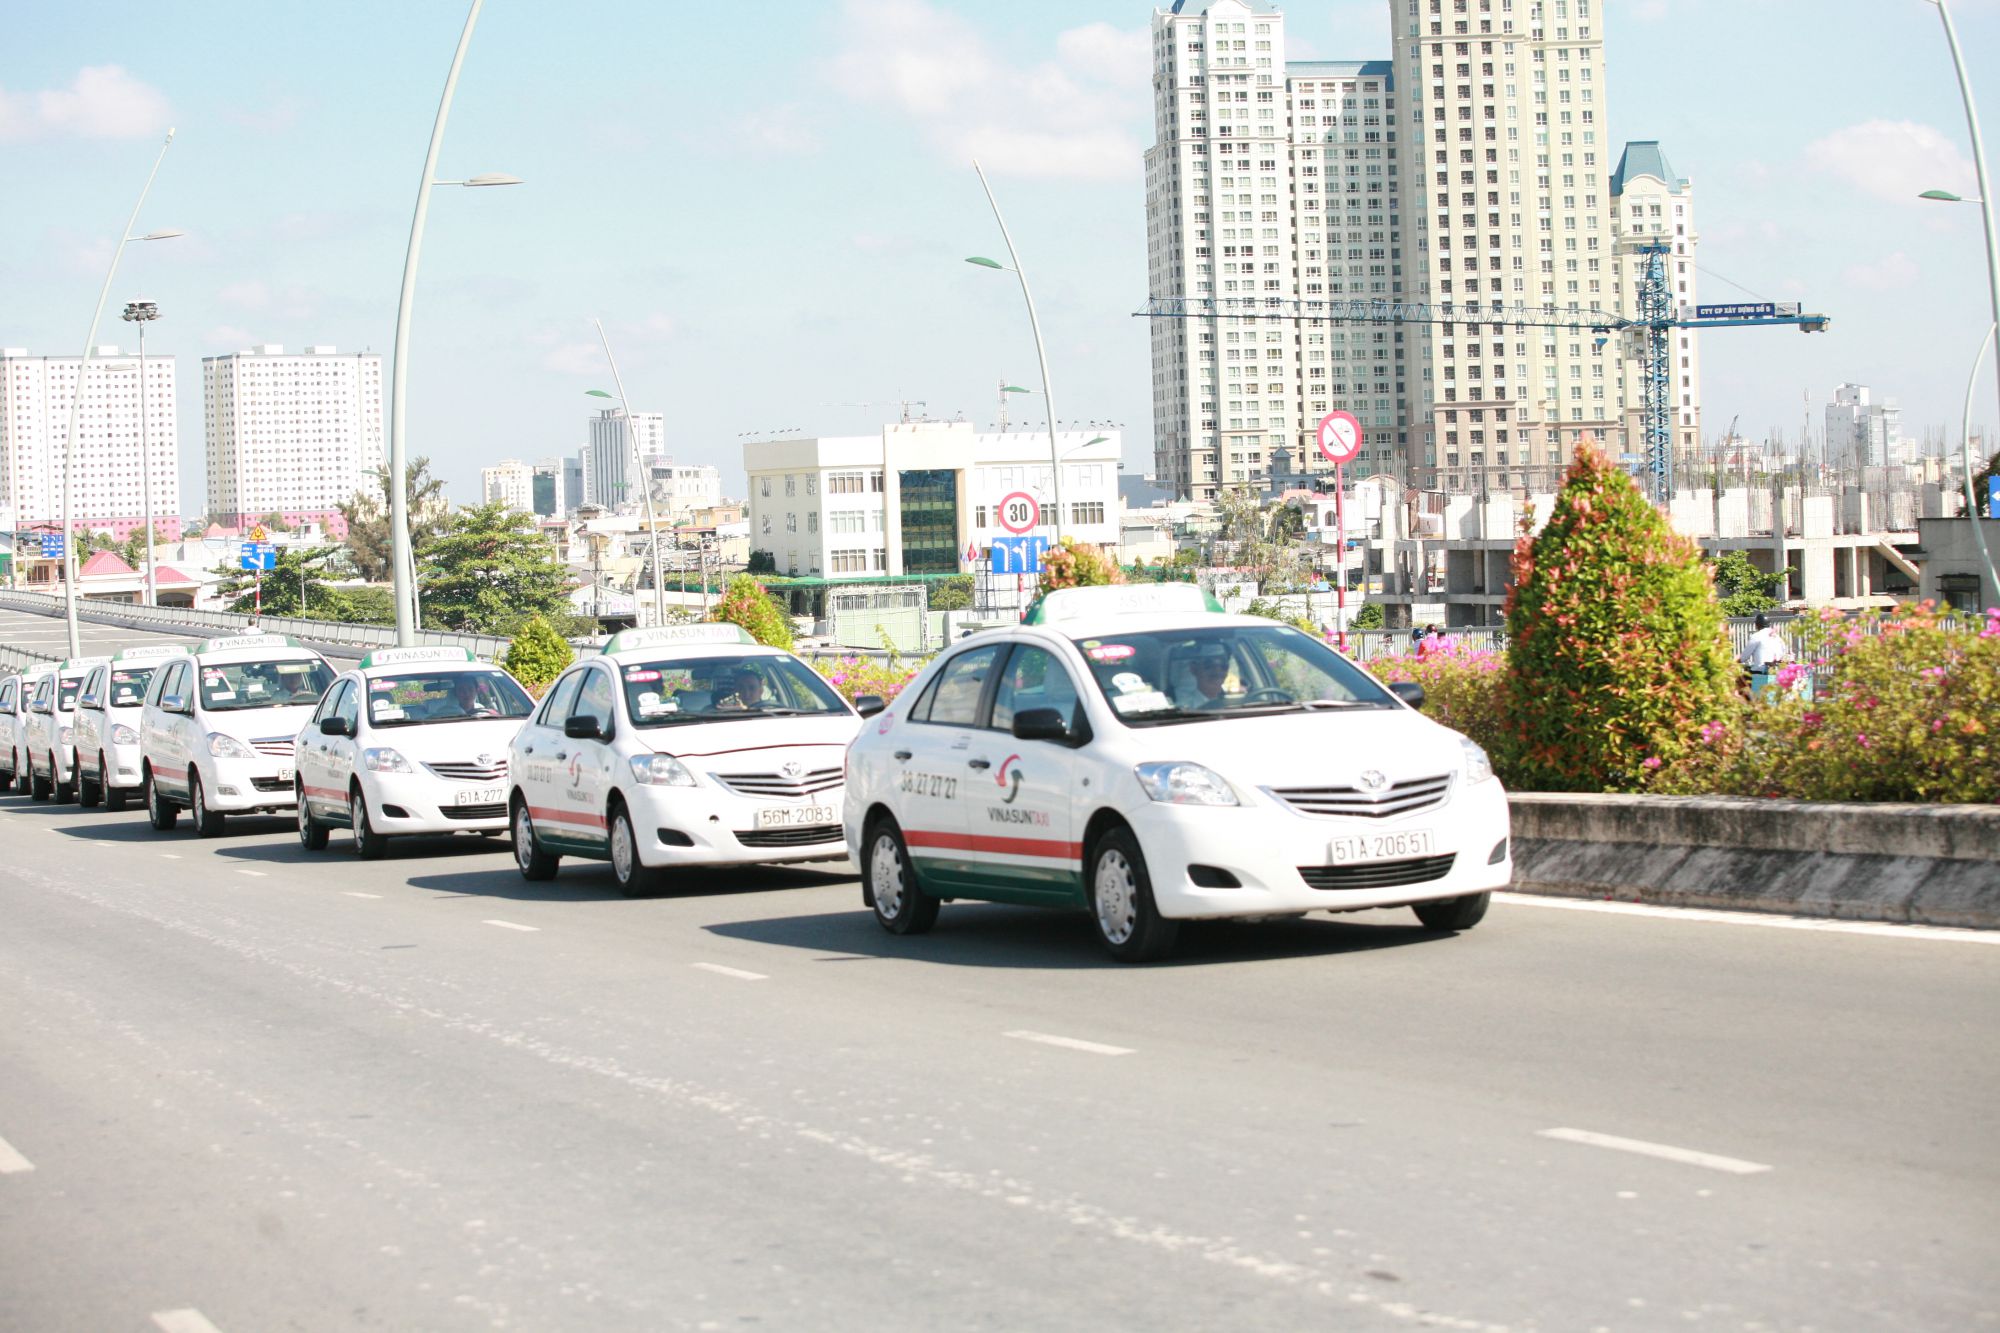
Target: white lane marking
(1767, 919)
(11, 1161)
(737, 972)
(103, 844)
(355, 893)
(184, 1321)
(1686, 1156)
(171, 856)
(509, 925)
(1069, 1043)
(254, 874)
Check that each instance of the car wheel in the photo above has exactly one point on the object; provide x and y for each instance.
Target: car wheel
(312, 833)
(1449, 914)
(901, 904)
(207, 822)
(534, 863)
(369, 844)
(39, 787)
(21, 773)
(160, 812)
(1121, 900)
(89, 793)
(65, 791)
(635, 879)
(114, 797)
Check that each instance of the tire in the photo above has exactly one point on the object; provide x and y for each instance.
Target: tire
(20, 782)
(1129, 923)
(1446, 915)
(635, 879)
(65, 791)
(534, 863)
(40, 788)
(161, 813)
(368, 844)
(312, 833)
(89, 794)
(115, 798)
(889, 882)
(207, 823)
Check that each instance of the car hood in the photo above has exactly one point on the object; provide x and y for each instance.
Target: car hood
(259, 723)
(709, 740)
(448, 742)
(1323, 749)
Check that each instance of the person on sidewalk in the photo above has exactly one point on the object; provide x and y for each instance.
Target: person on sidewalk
(1766, 650)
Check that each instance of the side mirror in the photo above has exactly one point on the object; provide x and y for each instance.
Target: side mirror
(335, 726)
(1409, 692)
(174, 703)
(583, 729)
(1041, 724)
(868, 705)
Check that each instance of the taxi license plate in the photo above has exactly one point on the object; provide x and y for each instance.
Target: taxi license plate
(1380, 846)
(284, 775)
(477, 796)
(798, 816)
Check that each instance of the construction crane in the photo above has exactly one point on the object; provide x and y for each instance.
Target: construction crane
(1648, 328)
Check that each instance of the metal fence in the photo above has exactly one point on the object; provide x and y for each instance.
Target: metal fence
(178, 619)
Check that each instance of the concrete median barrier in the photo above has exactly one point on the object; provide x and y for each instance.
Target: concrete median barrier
(1920, 864)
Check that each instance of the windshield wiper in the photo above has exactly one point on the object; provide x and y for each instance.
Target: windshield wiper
(1171, 715)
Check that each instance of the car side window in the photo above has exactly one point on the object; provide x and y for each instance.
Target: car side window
(43, 692)
(596, 699)
(325, 709)
(170, 681)
(348, 706)
(93, 689)
(954, 700)
(1033, 679)
(556, 707)
(7, 697)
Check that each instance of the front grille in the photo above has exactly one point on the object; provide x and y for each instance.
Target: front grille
(493, 772)
(271, 784)
(1400, 798)
(279, 747)
(497, 810)
(780, 787)
(791, 837)
(1378, 874)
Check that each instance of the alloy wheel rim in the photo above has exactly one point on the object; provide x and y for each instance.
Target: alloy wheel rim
(524, 838)
(200, 804)
(361, 829)
(886, 869)
(622, 851)
(1117, 897)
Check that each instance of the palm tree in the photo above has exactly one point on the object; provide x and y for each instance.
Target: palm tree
(367, 516)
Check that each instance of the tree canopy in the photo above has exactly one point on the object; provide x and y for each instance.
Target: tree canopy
(367, 516)
(491, 570)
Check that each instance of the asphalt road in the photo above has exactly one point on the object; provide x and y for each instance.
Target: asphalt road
(246, 1089)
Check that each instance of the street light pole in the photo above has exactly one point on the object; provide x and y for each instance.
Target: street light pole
(76, 399)
(645, 482)
(1041, 355)
(143, 313)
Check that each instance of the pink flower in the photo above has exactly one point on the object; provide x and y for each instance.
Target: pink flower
(1713, 732)
(1861, 739)
(1652, 761)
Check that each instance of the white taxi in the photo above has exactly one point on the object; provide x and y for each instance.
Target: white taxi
(15, 692)
(414, 740)
(107, 725)
(688, 745)
(1130, 751)
(51, 738)
(220, 725)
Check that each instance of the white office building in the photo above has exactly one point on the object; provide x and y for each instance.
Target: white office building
(923, 497)
(295, 434)
(1863, 431)
(510, 482)
(611, 459)
(681, 487)
(112, 463)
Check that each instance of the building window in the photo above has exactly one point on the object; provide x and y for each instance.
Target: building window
(928, 511)
(1088, 512)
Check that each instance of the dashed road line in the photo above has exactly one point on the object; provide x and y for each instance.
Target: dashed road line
(1069, 1043)
(12, 1162)
(183, 1321)
(736, 972)
(171, 856)
(1769, 920)
(254, 874)
(509, 925)
(1665, 1151)
(356, 893)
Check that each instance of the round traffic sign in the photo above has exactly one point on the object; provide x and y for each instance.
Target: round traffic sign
(1340, 437)
(1019, 513)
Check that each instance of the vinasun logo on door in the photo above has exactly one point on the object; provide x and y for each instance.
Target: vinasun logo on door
(1007, 812)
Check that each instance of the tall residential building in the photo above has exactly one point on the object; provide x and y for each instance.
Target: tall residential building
(610, 460)
(510, 482)
(1862, 432)
(681, 487)
(108, 491)
(293, 434)
(1650, 205)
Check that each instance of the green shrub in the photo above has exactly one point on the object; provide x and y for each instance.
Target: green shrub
(1463, 689)
(952, 594)
(745, 603)
(1368, 617)
(538, 654)
(1616, 653)
(1075, 564)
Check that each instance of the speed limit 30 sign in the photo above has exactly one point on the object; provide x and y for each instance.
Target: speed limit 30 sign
(1019, 513)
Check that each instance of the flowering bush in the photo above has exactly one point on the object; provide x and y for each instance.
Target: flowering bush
(745, 603)
(1464, 689)
(1075, 564)
(852, 677)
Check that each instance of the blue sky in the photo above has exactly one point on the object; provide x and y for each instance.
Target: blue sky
(769, 203)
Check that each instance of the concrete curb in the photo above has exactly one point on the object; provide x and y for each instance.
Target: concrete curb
(1916, 864)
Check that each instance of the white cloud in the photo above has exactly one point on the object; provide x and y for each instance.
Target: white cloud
(230, 336)
(102, 102)
(1649, 10)
(1892, 273)
(1073, 116)
(1893, 159)
(633, 340)
(778, 130)
(251, 294)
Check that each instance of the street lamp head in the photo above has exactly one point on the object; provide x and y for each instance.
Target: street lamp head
(1014, 388)
(491, 178)
(140, 310)
(1946, 197)
(597, 393)
(984, 262)
(1098, 440)
(166, 235)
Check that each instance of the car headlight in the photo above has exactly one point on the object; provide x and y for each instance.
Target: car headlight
(660, 770)
(1478, 767)
(123, 735)
(67, 736)
(382, 759)
(228, 747)
(1185, 784)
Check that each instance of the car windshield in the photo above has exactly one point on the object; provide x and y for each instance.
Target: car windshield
(722, 689)
(425, 697)
(239, 686)
(128, 686)
(1208, 672)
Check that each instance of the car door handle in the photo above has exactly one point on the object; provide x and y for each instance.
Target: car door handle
(527, 749)
(902, 754)
(978, 763)
(561, 754)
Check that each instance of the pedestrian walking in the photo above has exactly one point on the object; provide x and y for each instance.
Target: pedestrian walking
(1764, 653)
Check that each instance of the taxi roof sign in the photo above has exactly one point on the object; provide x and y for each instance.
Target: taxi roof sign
(149, 651)
(626, 640)
(384, 657)
(1122, 599)
(82, 663)
(236, 642)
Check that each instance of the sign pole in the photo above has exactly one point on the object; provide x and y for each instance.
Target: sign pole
(1340, 437)
(1340, 545)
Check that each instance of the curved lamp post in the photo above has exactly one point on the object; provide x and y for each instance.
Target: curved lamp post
(645, 481)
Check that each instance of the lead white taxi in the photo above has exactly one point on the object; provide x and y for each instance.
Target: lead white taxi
(108, 717)
(51, 738)
(15, 692)
(1130, 751)
(687, 745)
(414, 740)
(220, 725)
